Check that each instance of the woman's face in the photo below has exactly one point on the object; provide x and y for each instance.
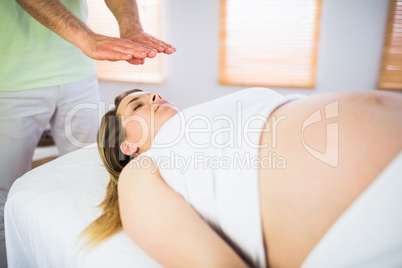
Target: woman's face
(143, 115)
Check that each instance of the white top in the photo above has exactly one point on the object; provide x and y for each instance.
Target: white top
(209, 154)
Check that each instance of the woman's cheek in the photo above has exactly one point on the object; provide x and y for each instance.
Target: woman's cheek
(137, 131)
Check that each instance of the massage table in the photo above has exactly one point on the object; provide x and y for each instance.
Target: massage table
(51, 205)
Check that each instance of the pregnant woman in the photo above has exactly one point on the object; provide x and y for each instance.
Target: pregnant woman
(250, 179)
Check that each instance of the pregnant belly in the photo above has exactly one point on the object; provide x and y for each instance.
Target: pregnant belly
(327, 149)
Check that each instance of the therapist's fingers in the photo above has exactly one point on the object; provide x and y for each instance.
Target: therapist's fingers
(136, 61)
(150, 41)
(101, 47)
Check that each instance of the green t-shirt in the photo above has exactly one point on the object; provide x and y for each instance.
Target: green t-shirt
(32, 56)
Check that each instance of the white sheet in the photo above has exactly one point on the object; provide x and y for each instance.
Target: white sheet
(368, 234)
(49, 206)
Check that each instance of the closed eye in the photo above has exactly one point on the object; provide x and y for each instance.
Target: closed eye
(138, 106)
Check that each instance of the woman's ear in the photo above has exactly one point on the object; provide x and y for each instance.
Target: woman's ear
(128, 148)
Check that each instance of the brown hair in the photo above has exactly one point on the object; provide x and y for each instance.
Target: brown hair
(110, 135)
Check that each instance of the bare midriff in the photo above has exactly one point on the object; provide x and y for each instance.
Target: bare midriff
(315, 168)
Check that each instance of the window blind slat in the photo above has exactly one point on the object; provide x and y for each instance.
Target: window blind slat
(269, 43)
(390, 77)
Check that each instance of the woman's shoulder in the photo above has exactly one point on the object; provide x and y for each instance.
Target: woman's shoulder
(141, 167)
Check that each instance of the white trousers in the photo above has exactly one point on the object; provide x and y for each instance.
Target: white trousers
(71, 110)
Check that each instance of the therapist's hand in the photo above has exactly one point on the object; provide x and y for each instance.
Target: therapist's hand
(148, 41)
(101, 47)
(134, 46)
(130, 28)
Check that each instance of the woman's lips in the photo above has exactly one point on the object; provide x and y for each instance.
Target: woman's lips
(160, 104)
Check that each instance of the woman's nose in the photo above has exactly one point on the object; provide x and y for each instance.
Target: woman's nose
(154, 97)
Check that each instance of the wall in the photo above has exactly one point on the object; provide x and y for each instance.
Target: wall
(349, 56)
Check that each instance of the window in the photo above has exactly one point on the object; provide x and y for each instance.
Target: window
(102, 21)
(391, 67)
(269, 42)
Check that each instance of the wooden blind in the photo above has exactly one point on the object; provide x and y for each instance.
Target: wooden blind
(102, 21)
(269, 42)
(391, 66)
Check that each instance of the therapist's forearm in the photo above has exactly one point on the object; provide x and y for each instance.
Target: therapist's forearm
(55, 16)
(126, 14)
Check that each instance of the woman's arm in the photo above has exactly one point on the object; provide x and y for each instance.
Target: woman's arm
(165, 226)
(55, 16)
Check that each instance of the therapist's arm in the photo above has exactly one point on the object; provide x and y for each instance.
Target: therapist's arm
(55, 16)
(165, 226)
(128, 18)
